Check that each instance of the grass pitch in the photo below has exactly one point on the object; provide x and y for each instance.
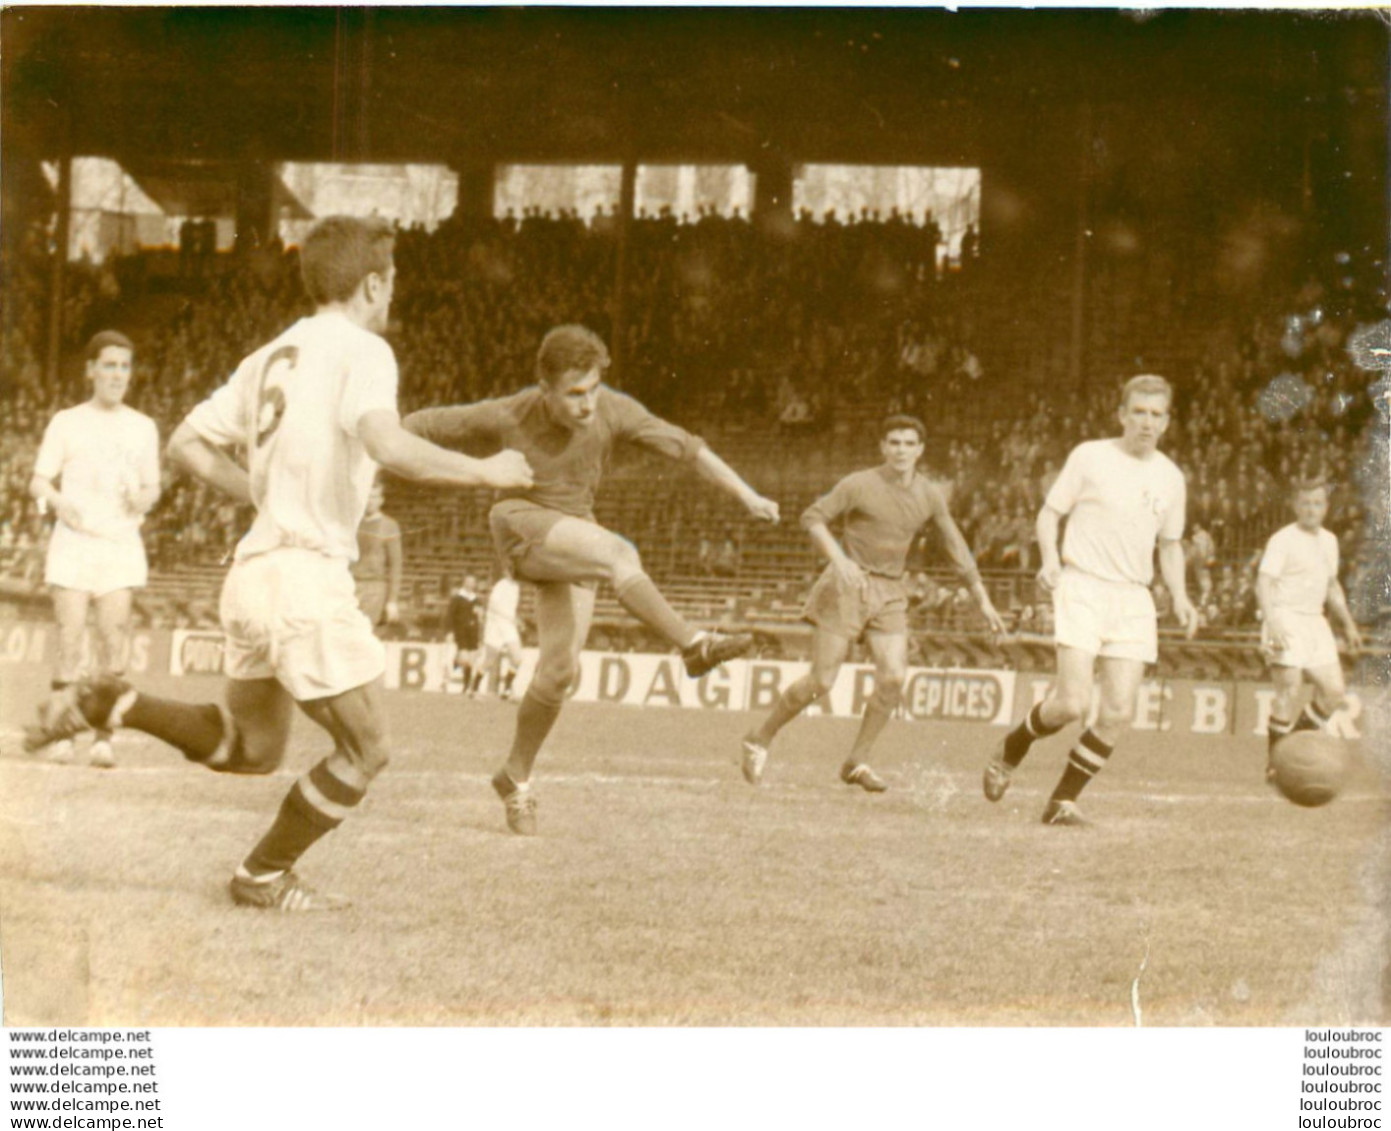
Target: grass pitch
(663, 890)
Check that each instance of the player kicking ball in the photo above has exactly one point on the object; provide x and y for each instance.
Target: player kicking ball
(1120, 497)
(1296, 583)
(862, 593)
(567, 424)
(315, 412)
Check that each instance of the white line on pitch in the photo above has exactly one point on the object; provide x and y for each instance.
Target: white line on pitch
(702, 784)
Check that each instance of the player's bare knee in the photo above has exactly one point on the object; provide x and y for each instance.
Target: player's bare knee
(1115, 718)
(552, 678)
(1066, 707)
(371, 758)
(888, 691)
(1329, 700)
(624, 562)
(366, 747)
(70, 638)
(110, 639)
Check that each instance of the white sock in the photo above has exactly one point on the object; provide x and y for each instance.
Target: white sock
(247, 877)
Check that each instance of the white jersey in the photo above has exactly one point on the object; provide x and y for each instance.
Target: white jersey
(502, 603)
(1302, 563)
(1117, 507)
(294, 406)
(102, 457)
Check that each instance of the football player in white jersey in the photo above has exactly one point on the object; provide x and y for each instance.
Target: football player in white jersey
(1121, 496)
(502, 638)
(315, 413)
(1297, 582)
(98, 471)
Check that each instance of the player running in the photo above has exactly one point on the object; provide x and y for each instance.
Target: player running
(315, 412)
(1297, 581)
(567, 424)
(862, 592)
(1120, 497)
(98, 470)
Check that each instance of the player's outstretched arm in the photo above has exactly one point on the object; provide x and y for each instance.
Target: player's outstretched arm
(714, 469)
(407, 455)
(1337, 603)
(452, 425)
(202, 459)
(965, 562)
(1172, 567)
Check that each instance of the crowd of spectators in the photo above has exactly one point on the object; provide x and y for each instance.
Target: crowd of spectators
(731, 325)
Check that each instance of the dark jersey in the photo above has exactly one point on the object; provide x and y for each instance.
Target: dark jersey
(378, 549)
(465, 619)
(881, 516)
(567, 465)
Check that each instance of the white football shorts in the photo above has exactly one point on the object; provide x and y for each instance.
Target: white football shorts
(94, 565)
(500, 634)
(1105, 618)
(292, 615)
(1311, 642)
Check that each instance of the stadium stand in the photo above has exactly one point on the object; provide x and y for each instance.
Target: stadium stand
(838, 323)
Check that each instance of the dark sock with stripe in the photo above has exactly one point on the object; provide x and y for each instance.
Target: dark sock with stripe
(1311, 718)
(1018, 741)
(317, 804)
(1083, 763)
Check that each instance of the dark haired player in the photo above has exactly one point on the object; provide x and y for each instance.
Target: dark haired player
(315, 412)
(862, 592)
(98, 470)
(566, 425)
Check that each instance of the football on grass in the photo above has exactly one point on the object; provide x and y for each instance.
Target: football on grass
(1310, 767)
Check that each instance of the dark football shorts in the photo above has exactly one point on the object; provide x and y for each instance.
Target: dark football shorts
(518, 527)
(847, 611)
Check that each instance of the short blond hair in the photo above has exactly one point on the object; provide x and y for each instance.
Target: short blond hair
(1144, 385)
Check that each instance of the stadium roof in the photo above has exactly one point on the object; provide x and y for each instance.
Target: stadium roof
(395, 84)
